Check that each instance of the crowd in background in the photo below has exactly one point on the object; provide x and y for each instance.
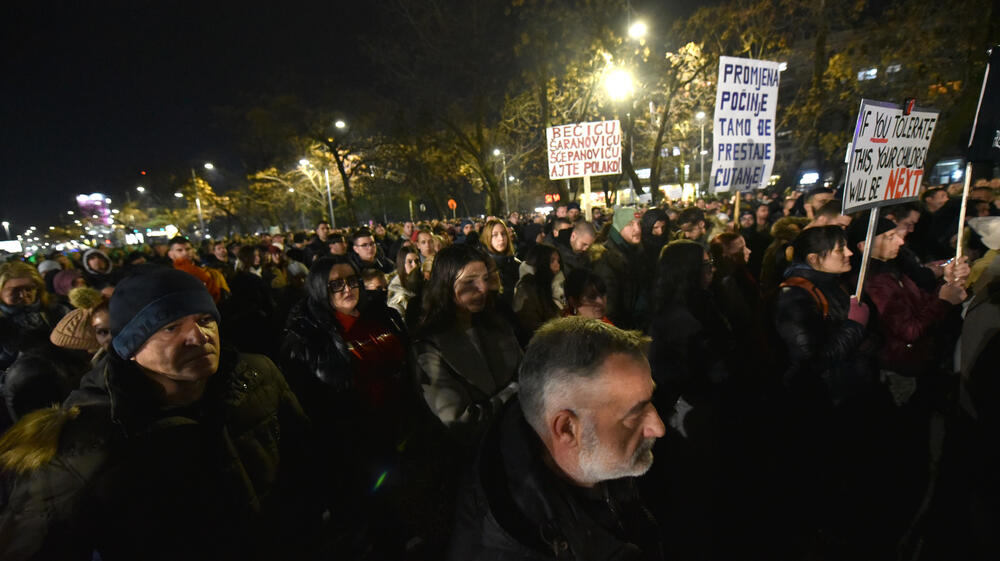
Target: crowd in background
(802, 421)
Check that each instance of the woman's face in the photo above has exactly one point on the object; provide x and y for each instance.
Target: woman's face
(344, 288)
(101, 322)
(591, 305)
(412, 262)
(471, 286)
(658, 227)
(19, 292)
(737, 250)
(274, 258)
(256, 258)
(707, 269)
(554, 262)
(837, 261)
(498, 238)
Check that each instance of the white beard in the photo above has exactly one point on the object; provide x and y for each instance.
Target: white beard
(598, 462)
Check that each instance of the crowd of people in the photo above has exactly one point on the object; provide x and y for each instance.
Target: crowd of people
(493, 388)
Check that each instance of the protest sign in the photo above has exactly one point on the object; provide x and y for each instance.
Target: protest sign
(888, 154)
(743, 124)
(984, 143)
(583, 150)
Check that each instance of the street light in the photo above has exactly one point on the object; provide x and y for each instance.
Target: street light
(506, 193)
(140, 189)
(178, 194)
(209, 166)
(619, 84)
(340, 124)
(637, 30)
(700, 117)
(6, 229)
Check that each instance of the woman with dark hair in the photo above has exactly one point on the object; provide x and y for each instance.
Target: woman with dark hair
(499, 246)
(467, 354)
(406, 284)
(655, 225)
(586, 295)
(834, 409)
(733, 286)
(248, 315)
(538, 295)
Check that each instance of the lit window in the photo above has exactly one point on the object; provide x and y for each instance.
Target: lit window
(869, 74)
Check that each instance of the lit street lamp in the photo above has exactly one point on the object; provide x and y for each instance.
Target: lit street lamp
(140, 189)
(700, 116)
(619, 84)
(6, 229)
(637, 30)
(506, 193)
(197, 197)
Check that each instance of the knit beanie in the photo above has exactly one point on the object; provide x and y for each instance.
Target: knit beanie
(63, 281)
(624, 215)
(858, 230)
(48, 265)
(74, 331)
(144, 303)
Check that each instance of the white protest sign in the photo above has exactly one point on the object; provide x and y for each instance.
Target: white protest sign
(743, 124)
(584, 149)
(887, 155)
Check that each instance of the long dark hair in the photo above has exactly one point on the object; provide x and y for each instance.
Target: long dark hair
(539, 258)
(679, 275)
(439, 291)
(412, 281)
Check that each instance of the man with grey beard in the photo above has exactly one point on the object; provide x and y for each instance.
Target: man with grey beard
(554, 477)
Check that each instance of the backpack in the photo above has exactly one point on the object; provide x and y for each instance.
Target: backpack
(808, 286)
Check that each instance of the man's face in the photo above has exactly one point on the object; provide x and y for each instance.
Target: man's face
(219, 250)
(820, 199)
(365, 248)
(180, 251)
(380, 231)
(886, 246)
(906, 225)
(632, 232)
(937, 200)
(573, 214)
(561, 211)
(514, 218)
(694, 231)
(559, 227)
(184, 350)
(408, 229)
(466, 229)
(97, 263)
(580, 242)
(619, 422)
(322, 231)
(338, 247)
(19, 292)
(425, 243)
(746, 221)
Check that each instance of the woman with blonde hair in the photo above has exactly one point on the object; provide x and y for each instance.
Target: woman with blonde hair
(27, 315)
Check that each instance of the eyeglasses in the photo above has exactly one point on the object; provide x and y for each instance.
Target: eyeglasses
(22, 291)
(337, 285)
(365, 245)
(708, 264)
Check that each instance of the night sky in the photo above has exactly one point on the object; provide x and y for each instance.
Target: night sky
(92, 95)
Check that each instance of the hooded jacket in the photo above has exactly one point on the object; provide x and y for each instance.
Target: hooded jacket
(97, 279)
(112, 471)
(622, 268)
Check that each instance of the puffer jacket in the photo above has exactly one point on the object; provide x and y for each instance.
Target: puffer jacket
(26, 328)
(111, 471)
(828, 360)
(514, 507)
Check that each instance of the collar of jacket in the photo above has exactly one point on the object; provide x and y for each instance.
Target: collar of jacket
(547, 502)
(817, 277)
(135, 406)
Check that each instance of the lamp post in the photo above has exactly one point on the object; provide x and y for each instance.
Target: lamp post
(506, 193)
(197, 197)
(700, 116)
(6, 229)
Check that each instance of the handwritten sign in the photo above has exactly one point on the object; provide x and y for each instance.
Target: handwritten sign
(743, 125)
(887, 157)
(584, 149)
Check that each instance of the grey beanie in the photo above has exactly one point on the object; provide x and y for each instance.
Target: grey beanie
(142, 304)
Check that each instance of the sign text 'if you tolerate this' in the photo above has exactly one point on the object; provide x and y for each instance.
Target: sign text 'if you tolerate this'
(584, 149)
(887, 156)
(743, 129)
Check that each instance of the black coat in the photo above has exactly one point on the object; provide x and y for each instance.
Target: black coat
(512, 506)
(225, 478)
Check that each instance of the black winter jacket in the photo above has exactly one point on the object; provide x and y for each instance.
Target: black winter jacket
(112, 471)
(828, 359)
(514, 507)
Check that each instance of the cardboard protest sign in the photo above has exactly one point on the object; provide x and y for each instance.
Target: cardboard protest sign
(887, 155)
(743, 124)
(984, 145)
(584, 149)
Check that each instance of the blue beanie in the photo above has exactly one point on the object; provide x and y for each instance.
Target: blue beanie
(142, 304)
